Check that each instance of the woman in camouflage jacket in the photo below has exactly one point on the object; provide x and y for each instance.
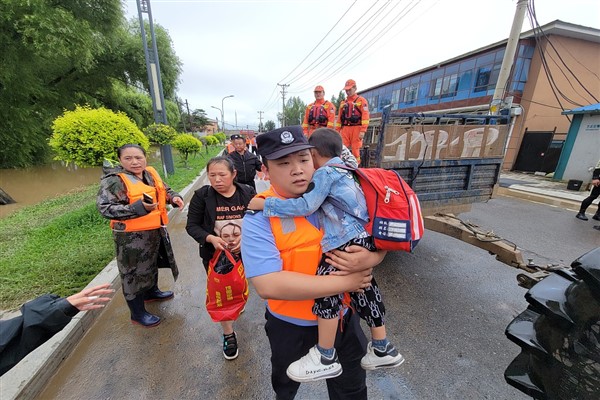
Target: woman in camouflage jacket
(134, 197)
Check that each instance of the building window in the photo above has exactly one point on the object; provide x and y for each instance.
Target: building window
(373, 104)
(395, 99)
(410, 93)
(449, 85)
(444, 86)
(482, 80)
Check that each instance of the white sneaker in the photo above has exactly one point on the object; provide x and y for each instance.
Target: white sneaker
(375, 359)
(313, 367)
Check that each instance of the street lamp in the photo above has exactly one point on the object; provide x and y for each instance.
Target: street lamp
(223, 111)
(222, 124)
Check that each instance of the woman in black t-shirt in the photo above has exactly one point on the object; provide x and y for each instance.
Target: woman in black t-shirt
(211, 208)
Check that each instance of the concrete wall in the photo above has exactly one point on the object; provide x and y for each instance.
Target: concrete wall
(586, 150)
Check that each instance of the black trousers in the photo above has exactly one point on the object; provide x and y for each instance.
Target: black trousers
(290, 342)
(588, 200)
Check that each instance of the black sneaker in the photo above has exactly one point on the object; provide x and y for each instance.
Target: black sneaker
(596, 217)
(230, 347)
(581, 216)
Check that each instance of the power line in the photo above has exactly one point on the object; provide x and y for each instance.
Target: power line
(350, 40)
(321, 41)
(326, 53)
(361, 51)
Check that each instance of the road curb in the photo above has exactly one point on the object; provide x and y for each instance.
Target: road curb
(540, 198)
(29, 377)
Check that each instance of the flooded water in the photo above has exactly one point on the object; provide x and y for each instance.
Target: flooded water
(33, 185)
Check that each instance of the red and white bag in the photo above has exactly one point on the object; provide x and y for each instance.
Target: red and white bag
(226, 294)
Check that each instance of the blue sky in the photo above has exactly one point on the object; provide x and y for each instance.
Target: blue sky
(247, 47)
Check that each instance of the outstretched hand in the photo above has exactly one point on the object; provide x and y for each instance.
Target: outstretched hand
(91, 298)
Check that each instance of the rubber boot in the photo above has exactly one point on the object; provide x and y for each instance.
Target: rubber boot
(155, 294)
(139, 315)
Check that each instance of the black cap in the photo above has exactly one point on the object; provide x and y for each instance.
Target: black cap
(236, 136)
(281, 142)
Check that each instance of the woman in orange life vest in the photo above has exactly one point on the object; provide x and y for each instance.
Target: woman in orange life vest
(134, 197)
(212, 208)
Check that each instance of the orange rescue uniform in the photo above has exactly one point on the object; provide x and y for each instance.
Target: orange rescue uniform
(299, 243)
(352, 122)
(320, 114)
(135, 191)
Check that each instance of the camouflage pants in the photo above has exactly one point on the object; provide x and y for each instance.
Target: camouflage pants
(137, 253)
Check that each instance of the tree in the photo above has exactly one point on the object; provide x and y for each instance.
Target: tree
(170, 64)
(194, 122)
(160, 133)
(87, 136)
(337, 101)
(269, 126)
(61, 53)
(187, 144)
(294, 111)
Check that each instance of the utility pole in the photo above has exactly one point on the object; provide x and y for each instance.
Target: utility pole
(189, 115)
(155, 82)
(509, 57)
(181, 114)
(283, 86)
(260, 113)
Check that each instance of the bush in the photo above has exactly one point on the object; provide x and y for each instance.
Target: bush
(220, 137)
(211, 140)
(187, 144)
(87, 136)
(160, 133)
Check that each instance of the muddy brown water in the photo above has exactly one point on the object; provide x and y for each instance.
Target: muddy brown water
(33, 185)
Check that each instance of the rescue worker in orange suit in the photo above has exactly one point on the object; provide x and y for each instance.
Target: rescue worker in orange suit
(320, 114)
(353, 119)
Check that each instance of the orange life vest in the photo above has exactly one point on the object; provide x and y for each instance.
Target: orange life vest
(135, 189)
(299, 244)
(351, 112)
(318, 115)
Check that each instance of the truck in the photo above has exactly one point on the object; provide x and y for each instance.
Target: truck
(451, 161)
(454, 160)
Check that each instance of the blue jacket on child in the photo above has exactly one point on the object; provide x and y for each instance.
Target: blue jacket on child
(329, 186)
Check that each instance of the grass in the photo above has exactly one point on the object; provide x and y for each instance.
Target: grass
(61, 244)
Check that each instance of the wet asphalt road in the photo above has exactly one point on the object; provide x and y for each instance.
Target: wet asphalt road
(448, 305)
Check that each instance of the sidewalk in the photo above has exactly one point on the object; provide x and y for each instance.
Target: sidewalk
(542, 189)
(26, 379)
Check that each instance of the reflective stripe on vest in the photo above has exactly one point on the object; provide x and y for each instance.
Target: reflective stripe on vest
(299, 243)
(135, 189)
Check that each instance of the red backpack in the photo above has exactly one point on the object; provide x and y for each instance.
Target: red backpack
(395, 219)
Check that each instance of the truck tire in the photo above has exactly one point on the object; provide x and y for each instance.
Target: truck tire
(559, 335)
